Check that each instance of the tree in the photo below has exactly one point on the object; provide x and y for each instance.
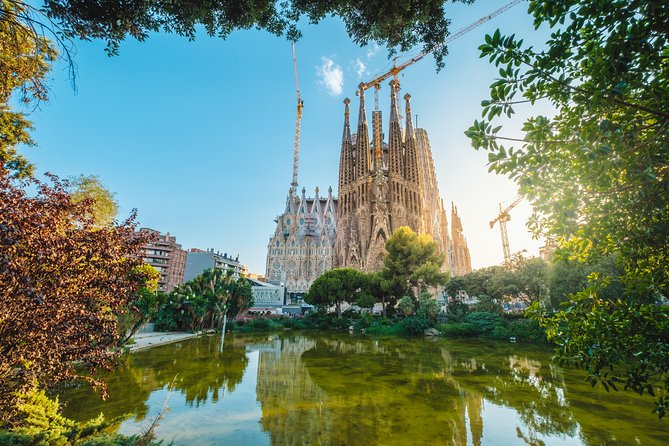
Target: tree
(143, 304)
(103, 207)
(204, 301)
(62, 280)
(531, 279)
(567, 277)
(495, 282)
(370, 290)
(596, 173)
(335, 287)
(399, 24)
(25, 60)
(413, 263)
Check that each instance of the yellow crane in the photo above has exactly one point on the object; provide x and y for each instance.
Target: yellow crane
(502, 218)
(298, 121)
(395, 70)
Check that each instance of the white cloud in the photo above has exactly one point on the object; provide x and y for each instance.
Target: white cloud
(330, 76)
(360, 68)
(371, 52)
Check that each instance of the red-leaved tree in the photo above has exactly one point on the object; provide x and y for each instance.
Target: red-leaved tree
(62, 279)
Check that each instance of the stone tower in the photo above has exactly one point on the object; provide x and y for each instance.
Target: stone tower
(301, 247)
(383, 186)
(461, 262)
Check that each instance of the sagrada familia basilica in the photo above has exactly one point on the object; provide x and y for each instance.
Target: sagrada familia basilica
(382, 186)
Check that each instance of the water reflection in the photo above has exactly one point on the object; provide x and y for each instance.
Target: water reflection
(343, 390)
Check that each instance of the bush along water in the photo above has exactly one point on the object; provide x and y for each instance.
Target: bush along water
(492, 325)
(413, 322)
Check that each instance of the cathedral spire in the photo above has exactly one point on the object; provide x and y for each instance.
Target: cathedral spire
(346, 166)
(411, 152)
(347, 125)
(409, 129)
(394, 112)
(395, 164)
(362, 140)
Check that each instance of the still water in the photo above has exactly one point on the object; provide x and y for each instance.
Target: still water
(316, 389)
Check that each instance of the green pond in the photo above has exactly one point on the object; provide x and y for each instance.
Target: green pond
(322, 389)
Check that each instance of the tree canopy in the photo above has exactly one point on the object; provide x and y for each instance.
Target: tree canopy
(399, 25)
(335, 287)
(596, 173)
(204, 301)
(25, 60)
(413, 262)
(62, 281)
(103, 205)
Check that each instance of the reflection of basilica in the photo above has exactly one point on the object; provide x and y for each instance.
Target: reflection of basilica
(360, 392)
(292, 405)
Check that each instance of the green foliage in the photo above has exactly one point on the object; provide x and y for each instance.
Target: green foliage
(25, 61)
(143, 304)
(568, 277)
(487, 304)
(202, 303)
(384, 327)
(456, 311)
(17, 439)
(335, 287)
(257, 325)
(103, 206)
(496, 282)
(596, 173)
(293, 323)
(458, 330)
(406, 305)
(365, 300)
(526, 279)
(41, 424)
(402, 24)
(494, 326)
(413, 263)
(119, 440)
(484, 322)
(38, 416)
(607, 337)
(522, 330)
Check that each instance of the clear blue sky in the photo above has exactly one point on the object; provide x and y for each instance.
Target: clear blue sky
(198, 136)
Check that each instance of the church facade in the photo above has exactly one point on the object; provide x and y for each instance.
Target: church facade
(383, 186)
(302, 245)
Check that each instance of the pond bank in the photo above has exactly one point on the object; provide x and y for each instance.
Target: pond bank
(149, 340)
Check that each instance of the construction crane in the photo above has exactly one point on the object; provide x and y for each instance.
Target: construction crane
(394, 71)
(502, 218)
(298, 121)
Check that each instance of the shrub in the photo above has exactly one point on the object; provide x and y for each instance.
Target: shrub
(388, 330)
(42, 424)
(484, 322)
(414, 325)
(456, 311)
(527, 330)
(459, 330)
(292, 323)
(260, 324)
